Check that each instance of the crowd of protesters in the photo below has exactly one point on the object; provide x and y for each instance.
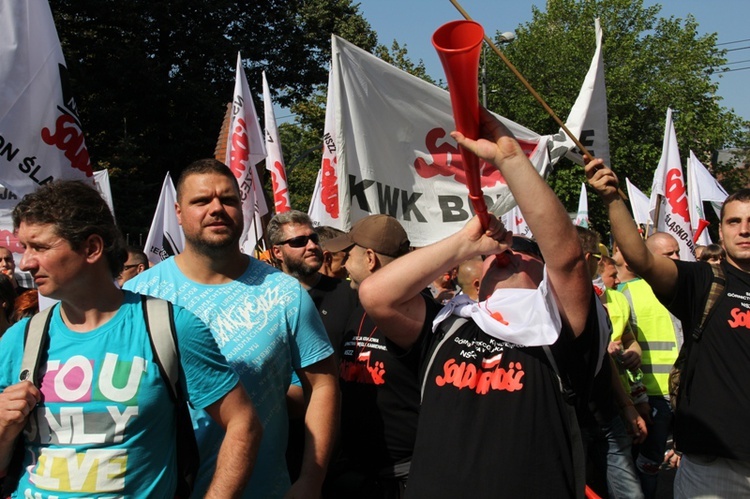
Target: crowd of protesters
(483, 365)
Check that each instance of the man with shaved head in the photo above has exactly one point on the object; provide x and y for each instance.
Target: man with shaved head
(468, 277)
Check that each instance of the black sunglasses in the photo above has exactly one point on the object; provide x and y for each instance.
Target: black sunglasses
(301, 241)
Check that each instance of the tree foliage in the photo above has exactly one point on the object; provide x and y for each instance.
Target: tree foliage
(152, 77)
(303, 141)
(651, 63)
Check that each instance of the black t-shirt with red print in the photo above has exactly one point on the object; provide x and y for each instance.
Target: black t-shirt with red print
(493, 422)
(714, 403)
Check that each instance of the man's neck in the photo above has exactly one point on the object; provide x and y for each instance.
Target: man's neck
(212, 269)
(86, 311)
(309, 281)
(741, 265)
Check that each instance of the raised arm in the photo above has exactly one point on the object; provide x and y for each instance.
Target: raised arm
(545, 214)
(391, 295)
(660, 272)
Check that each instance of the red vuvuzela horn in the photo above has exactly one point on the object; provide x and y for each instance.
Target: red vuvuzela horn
(458, 43)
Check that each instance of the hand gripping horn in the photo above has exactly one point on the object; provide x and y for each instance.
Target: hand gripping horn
(459, 43)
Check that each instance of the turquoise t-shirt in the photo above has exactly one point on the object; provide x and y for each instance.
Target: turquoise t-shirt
(105, 427)
(266, 325)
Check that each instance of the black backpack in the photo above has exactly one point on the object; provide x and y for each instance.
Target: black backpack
(159, 318)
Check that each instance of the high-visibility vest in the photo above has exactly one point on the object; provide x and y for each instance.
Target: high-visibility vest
(618, 309)
(656, 332)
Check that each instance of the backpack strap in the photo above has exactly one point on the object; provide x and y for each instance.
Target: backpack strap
(35, 343)
(718, 284)
(452, 323)
(159, 317)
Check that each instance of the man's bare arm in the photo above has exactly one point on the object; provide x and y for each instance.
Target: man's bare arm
(239, 449)
(545, 215)
(660, 272)
(321, 388)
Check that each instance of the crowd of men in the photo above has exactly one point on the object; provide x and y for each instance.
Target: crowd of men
(483, 365)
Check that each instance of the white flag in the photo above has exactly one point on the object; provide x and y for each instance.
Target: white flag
(639, 205)
(394, 152)
(702, 188)
(165, 237)
(326, 205)
(515, 222)
(668, 193)
(582, 218)
(588, 117)
(275, 160)
(101, 182)
(40, 134)
(245, 149)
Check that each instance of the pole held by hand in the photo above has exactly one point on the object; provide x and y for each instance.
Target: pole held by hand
(533, 92)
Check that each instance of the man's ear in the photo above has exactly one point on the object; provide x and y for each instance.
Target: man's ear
(327, 258)
(276, 253)
(372, 260)
(93, 247)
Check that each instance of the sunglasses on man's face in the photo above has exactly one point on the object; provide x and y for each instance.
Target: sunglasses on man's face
(301, 241)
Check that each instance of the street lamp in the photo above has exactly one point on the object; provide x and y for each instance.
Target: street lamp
(504, 38)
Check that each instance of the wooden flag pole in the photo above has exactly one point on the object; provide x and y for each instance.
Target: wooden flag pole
(533, 92)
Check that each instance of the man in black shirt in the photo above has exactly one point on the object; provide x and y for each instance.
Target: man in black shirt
(493, 420)
(379, 380)
(710, 427)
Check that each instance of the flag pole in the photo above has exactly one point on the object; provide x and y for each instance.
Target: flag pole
(533, 92)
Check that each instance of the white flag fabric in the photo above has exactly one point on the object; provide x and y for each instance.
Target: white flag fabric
(275, 159)
(668, 194)
(515, 222)
(245, 149)
(101, 182)
(639, 204)
(325, 206)
(165, 237)
(393, 151)
(702, 188)
(582, 218)
(588, 117)
(40, 134)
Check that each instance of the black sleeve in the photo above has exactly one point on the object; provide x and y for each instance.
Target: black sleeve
(693, 284)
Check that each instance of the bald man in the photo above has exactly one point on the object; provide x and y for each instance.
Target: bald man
(469, 276)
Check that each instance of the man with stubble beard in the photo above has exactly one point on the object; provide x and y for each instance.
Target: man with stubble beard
(295, 247)
(263, 322)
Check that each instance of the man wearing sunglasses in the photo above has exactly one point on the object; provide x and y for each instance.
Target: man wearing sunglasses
(493, 420)
(295, 249)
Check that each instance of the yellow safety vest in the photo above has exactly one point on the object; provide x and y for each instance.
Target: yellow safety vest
(618, 309)
(655, 330)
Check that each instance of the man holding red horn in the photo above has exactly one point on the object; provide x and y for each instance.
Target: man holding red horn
(496, 421)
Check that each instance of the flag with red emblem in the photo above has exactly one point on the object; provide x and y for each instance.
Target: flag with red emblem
(245, 149)
(41, 138)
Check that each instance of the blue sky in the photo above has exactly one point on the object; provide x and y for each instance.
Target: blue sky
(412, 22)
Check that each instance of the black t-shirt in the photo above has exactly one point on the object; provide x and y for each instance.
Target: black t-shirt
(379, 395)
(715, 400)
(493, 422)
(335, 301)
